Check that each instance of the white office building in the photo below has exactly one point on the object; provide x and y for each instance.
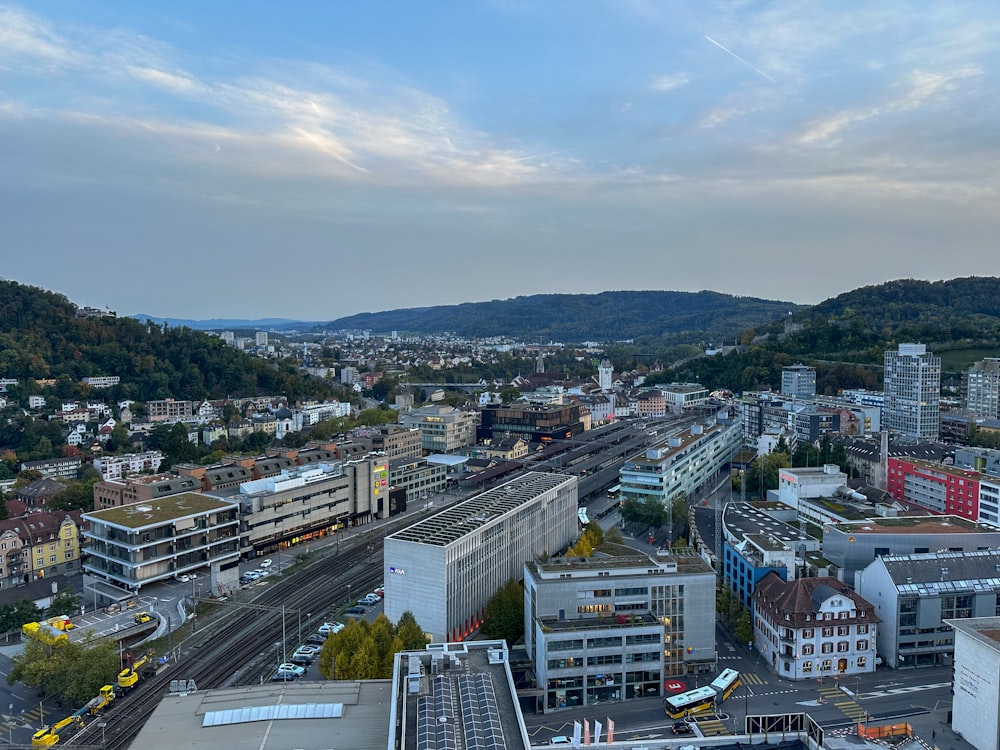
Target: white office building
(445, 568)
(976, 705)
(798, 381)
(912, 392)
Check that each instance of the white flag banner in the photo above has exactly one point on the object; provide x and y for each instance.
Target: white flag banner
(597, 732)
(577, 734)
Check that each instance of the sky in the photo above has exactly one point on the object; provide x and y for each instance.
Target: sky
(311, 160)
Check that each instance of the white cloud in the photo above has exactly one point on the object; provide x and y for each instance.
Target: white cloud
(28, 40)
(669, 82)
(176, 82)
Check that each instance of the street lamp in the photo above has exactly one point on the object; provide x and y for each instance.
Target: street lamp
(103, 725)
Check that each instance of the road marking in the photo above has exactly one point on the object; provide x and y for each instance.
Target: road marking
(905, 690)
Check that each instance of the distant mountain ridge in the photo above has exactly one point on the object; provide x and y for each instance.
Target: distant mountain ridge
(215, 324)
(608, 316)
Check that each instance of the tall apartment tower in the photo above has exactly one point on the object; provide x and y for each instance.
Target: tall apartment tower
(982, 388)
(605, 375)
(798, 381)
(912, 392)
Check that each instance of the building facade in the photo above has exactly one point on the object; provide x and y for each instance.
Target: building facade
(169, 410)
(912, 388)
(611, 628)
(137, 544)
(417, 477)
(981, 388)
(682, 464)
(975, 714)
(114, 467)
(811, 628)
(445, 568)
(443, 429)
(935, 487)
(798, 381)
(681, 396)
(917, 593)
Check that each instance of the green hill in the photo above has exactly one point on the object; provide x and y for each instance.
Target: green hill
(41, 337)
(672, 317)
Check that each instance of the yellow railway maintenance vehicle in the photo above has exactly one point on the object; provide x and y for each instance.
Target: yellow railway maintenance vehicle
(49, 735)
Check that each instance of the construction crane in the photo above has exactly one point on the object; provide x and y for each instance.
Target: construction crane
(49, 735)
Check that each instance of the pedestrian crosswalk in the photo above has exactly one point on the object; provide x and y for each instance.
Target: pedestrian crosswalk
(712, 727)
(749, 678)
(847, 706)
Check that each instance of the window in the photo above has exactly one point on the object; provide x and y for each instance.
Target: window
(827, 632)
(807, 666)
(808, 633)
(808, 649)
(863, 628)
(827, 648)
(52, 559)
(862, 661)
(826, 665)
(843, 647)
(843, 630)
(862, 645)
(68, 554)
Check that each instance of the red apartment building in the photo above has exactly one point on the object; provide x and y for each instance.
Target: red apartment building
(934, 487)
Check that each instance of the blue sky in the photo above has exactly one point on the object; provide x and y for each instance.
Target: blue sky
(313, 160)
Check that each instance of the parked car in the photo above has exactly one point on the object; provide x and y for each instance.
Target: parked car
(284, 677)
(265, 563)
(562, 739)
(369, 600)
(317, 639)
(357, 609)
(681, 727)
(182, 578)
(328, 628)
(303, 660)
(289, 668)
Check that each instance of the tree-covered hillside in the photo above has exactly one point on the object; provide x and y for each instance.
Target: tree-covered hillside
(41, 337)
(668, 316)
(846, 337)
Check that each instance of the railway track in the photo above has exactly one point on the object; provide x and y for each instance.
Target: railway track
(218, 655)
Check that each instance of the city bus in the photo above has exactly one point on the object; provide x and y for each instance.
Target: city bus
(692, 702)
(582, 515)
(615, 492)
(727, 681)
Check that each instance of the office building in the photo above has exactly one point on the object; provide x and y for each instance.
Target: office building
(681, 396)
(445, 568)
(610, 628)
(136, 544)
(533, 423)
(417, 477)
(916, 593)
(169, 410)
(680, 464)
(115, 467)
(798, 381)
(443, 429)
(912, 389)
(934, 487)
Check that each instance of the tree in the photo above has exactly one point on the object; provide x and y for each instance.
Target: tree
(505, 613)
(645, 511)
(75, 672)
(13, 616)
(64, 603)
(365, 651)
(613, 536)
(26, 477)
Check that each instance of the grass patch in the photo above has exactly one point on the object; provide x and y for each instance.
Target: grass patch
(957, 360)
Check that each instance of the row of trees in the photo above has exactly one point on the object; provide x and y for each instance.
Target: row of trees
(653, 513)
(364, 650)
(13, 616)
(73, 672)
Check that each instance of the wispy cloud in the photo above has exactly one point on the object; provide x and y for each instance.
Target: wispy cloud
(920, 89)
(28, 40)
(669, 82)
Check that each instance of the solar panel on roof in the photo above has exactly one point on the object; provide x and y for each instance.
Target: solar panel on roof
(272, 713)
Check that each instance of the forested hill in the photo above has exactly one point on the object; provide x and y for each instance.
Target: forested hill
(609, 316)
(920, 309)
(41, 337)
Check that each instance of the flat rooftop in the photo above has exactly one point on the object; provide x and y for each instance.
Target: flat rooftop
(684, 439)
(610, 557)
(455, 522)
(743, 519)
(363, 723)
(912, 525)
(158, 511)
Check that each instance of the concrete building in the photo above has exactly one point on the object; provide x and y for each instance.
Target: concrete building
(975, 713)
(813, 627)
(680, 464)
(916, 593)
(114, 467)
(798, 381)
(533, 423)
(650, 403)
(138, 544)
(57, 468)
(168, 410)
(800, 483)
(443, 429)
(102, 381)
(610, 628)
(981, 388)
(445, 568)
(681, 396)
(395, 441)
(853, 546)
(417, 477)
(912, 389)
(747, 562)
